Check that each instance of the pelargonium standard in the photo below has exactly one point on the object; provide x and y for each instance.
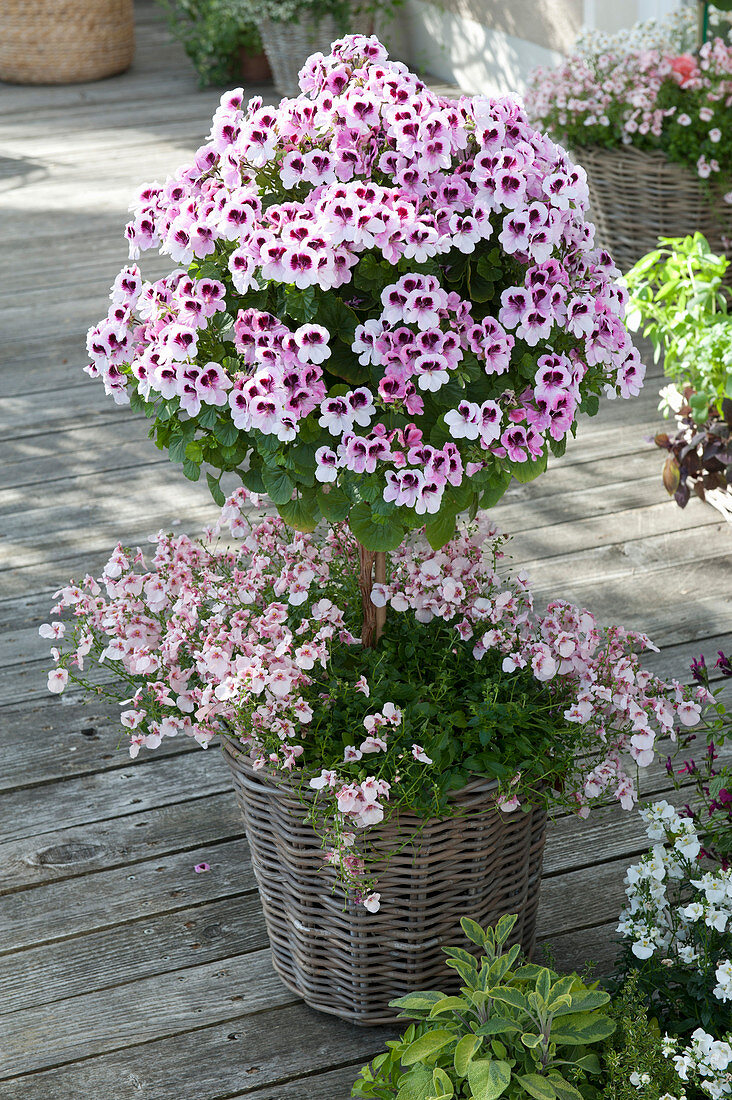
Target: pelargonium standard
(383, 303)
(648, 98)
(257, 643)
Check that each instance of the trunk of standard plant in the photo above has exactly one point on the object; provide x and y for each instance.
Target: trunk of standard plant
(373, 570)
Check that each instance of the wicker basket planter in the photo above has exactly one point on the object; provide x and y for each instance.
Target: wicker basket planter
(637, 197)
(481, 863)
(65, 41)
(289, 45)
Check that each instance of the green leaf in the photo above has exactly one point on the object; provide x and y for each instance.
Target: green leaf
(344, 364)
(373, 532)
(563, 1089)
(297, 514)
(226, 433)
(448, 1004)
(334, 504)
(537, 1086)
(252, 480)
(191, 470)
(422, 1001)
(215, 489)
(584, 1001)
(464, 1052)
(426, 1046)
(278, 485)
(417, 1085)
(498, 1025)
(527, 471)
(300, 304)
(506, 995)
(473, 931)
(581, 1029)
(442, 1084)
(493, 493)
(177, 448)
(440, 528)
(530, 1039)
(488, 1078)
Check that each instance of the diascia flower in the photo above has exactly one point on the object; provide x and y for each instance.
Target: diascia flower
(256, 642)
(350, 272)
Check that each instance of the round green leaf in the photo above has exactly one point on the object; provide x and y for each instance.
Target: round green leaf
(378, 533)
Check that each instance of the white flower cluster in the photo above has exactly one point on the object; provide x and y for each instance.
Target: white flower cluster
(707, 1061)
(640, 1080)
(658, 916)
(676, 33)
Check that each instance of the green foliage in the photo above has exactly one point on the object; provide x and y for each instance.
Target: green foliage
(635, 1048)
(515, 1030)
(678, 299)
(468, 715)
(212, 33)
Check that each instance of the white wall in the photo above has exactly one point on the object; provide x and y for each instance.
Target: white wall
(459, 50)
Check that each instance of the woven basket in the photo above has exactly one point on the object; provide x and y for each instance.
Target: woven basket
(637, 197)
(289, 45)
(65, 41)
(343, 960)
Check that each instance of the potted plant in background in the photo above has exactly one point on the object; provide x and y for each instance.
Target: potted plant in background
(48, 42)
(292, 30)
(679, 299)
(221, 39)
(650, 122)
(384, 306)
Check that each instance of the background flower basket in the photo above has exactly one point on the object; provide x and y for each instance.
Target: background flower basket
(289, 45)
(637, 196)
(56, 42)
(346, 961)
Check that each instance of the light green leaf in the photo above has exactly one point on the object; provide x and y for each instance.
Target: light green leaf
(563, 1089)
(473, 931)
(488, 1078)
(422, 1001)
(581, 1029)
(427, 1045)
(537, 1086)
(448, 1004)
(417, 1085)
(464, 1052)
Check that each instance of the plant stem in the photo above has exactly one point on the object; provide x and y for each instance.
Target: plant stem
(373, 568)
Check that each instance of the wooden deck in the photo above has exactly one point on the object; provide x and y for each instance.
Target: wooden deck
(124, 974)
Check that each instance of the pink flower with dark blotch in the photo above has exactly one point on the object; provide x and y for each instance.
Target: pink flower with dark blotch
(560, 411)
(312, 343)
(336, 415)
(514, 440)
(326, 465)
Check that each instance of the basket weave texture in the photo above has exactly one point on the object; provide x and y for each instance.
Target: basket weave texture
(343, 960)
(637, 197)
(289, 45)
(65, 41)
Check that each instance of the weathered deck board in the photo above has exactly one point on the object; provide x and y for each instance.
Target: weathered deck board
(124, 973)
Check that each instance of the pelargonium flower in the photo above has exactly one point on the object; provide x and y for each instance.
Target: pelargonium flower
(357, 266)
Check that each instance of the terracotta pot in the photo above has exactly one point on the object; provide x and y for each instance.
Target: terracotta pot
(254, 67)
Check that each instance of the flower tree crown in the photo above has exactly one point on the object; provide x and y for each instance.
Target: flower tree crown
(386, 303)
